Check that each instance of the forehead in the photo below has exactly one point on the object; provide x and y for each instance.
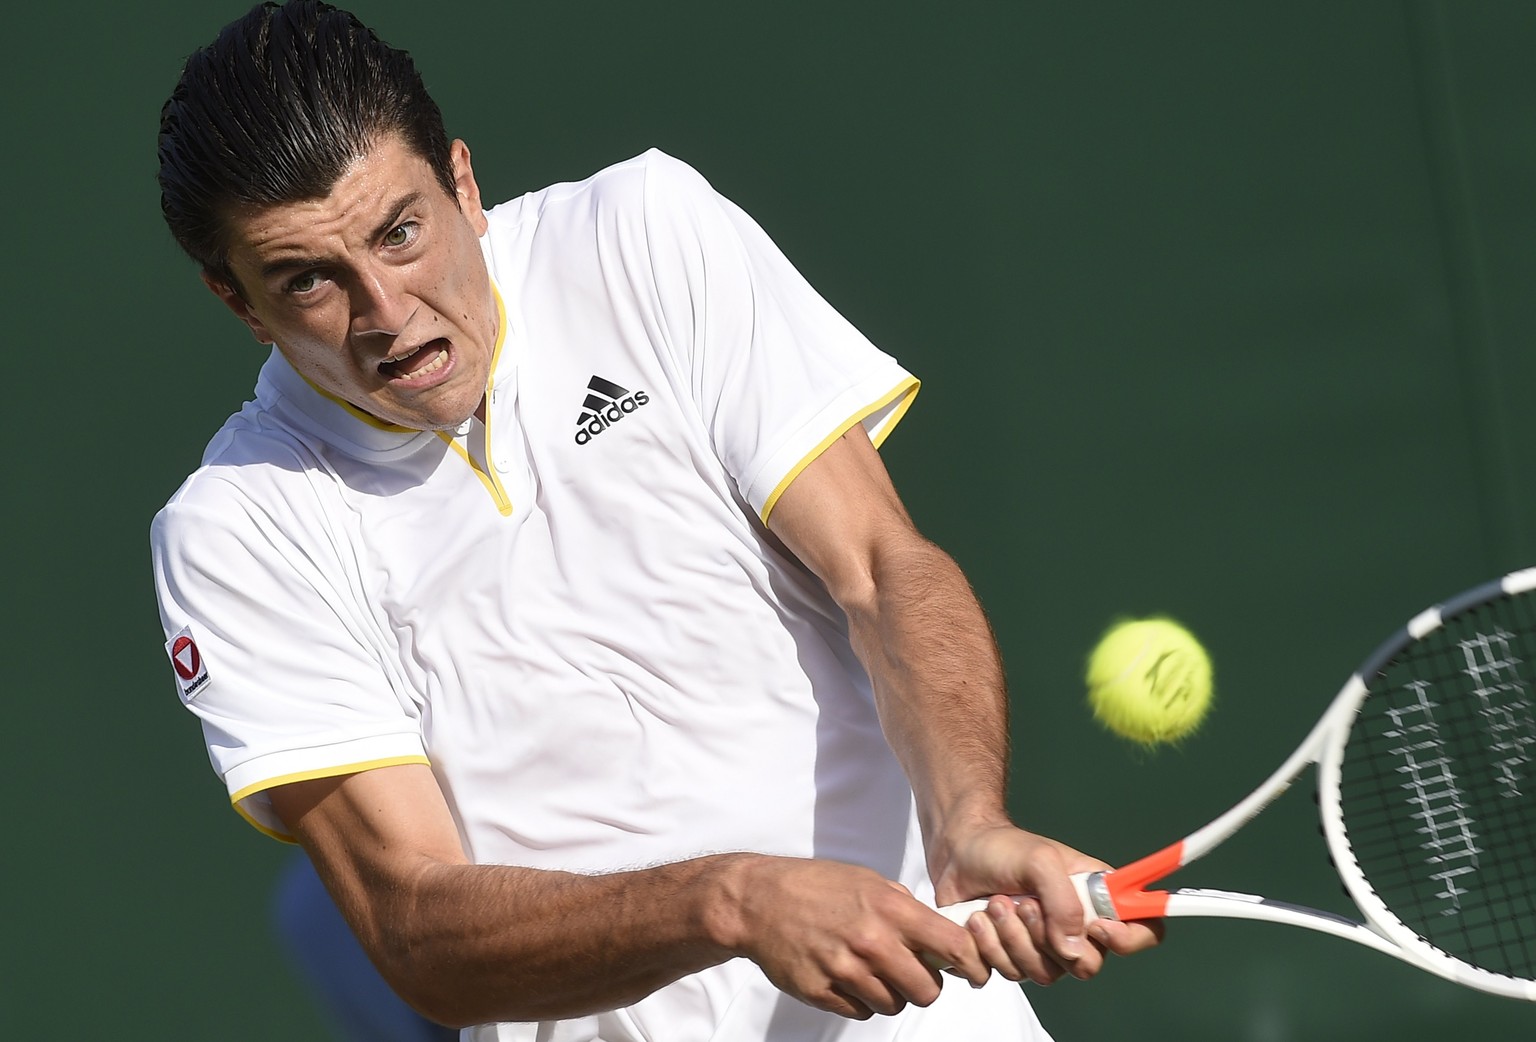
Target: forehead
(377, 186)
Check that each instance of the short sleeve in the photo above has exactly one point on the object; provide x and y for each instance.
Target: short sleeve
(268, 648)
(776, 372)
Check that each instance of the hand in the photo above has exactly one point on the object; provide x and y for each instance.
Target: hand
(844, 939)
(1042, 935)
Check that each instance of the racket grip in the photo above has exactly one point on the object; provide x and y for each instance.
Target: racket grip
(1090, 891)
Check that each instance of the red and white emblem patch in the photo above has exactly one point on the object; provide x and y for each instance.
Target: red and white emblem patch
(187, 661)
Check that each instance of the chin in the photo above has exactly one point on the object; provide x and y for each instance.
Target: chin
(444, 416)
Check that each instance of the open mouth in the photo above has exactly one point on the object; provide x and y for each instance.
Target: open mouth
(422, 362)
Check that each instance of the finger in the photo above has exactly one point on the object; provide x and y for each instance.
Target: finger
(887, 972)
(953, 950)
(1063, 927)
(910, 973)
(912, 980)
(967, 963)
(834, 998)
(870, 995)
(1009, 924)
(1124, 938)
(984, 932)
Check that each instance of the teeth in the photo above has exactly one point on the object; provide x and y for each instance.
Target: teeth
(431, 367)
(401, 358)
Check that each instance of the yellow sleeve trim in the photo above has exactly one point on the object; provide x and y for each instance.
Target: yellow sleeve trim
(239, 798)
(906, 391)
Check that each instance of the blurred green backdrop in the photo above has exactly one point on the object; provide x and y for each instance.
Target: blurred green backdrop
(1222, 310)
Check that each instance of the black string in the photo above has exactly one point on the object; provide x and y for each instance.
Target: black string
(1438, 786)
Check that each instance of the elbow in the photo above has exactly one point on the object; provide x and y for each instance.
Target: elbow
(901, 570)
(424, 973)
(428, 990)
(459, 994)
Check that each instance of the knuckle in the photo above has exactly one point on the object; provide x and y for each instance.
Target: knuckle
(864, 943)
(926, 992)
(924, 999)
(832, 1002)
(841, 967)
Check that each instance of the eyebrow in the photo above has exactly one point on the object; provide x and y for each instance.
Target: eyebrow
(383, 228)
(387, 225)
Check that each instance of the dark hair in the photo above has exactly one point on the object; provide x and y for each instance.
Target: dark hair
(275, 110)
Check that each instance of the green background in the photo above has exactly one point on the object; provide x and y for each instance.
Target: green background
(1222, 310)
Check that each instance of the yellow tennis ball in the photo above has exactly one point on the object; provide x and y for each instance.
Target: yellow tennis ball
(1149, 680)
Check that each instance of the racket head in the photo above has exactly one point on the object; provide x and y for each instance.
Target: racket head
(1427, 788)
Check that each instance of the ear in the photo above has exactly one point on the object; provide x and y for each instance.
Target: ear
(465, 188)
(236, 303)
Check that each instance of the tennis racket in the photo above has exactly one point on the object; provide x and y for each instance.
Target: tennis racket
(1426, 770)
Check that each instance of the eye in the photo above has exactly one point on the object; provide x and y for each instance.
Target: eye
(401, 235)
(304, 283)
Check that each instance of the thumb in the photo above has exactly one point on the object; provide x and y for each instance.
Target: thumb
(1065, 919)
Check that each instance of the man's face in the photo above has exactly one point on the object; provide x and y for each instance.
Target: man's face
(377, 292)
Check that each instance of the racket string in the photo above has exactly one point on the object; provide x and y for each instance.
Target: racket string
(1438, 786)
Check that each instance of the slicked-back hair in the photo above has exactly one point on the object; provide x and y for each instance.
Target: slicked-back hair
(275, 110)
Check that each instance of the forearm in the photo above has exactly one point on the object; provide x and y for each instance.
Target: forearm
(938, 680)
(939, 685)
(472, 944)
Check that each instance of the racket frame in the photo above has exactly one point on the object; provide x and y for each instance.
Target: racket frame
(1121, 893)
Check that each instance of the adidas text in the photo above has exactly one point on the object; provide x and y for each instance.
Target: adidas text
(606, 417)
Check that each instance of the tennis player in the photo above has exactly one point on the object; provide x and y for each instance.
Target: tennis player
(552, 594)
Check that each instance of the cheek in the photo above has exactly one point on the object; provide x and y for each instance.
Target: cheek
(315, 346)
(311, 361)
(472, 304)
(461, 266)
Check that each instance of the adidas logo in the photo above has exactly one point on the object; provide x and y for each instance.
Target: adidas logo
(607, 403)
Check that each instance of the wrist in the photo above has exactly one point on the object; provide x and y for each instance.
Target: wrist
(950, 823)
(732, 881)
(947, 837)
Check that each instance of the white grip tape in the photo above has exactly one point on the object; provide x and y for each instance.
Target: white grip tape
(961, 911)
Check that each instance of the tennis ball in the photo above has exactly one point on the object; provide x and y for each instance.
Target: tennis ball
(1149, 680)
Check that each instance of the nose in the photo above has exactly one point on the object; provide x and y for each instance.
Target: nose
(381, 303)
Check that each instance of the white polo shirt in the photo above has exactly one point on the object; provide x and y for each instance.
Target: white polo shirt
(574, 612)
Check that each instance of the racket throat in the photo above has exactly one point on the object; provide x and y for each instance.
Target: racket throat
(1121, 894)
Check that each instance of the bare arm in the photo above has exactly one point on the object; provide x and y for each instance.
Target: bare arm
(938, 679)
(918, 629)
(468, 944)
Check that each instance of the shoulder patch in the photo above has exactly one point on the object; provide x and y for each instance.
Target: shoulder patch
(187, 662)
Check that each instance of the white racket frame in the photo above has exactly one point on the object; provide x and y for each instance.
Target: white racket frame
(1323, 746)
